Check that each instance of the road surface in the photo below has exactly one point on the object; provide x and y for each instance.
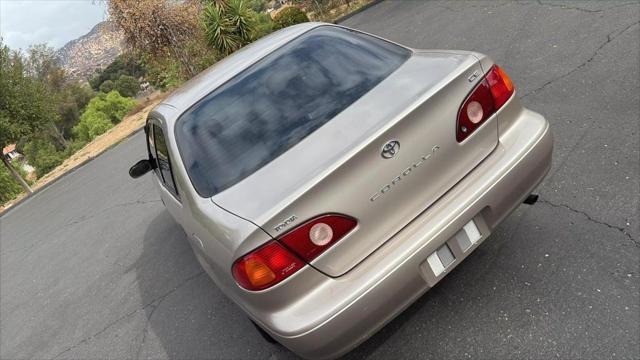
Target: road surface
(93, 266)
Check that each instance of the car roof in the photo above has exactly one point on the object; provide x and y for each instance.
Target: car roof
(213, 77)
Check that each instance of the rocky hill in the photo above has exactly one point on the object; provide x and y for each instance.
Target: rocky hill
(93, 51)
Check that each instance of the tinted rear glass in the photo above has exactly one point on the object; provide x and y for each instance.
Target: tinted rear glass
(277, 102)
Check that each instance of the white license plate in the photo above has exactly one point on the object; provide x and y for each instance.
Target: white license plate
(466, 237)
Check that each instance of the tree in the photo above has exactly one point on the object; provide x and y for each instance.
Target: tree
(229, 25)
(107, 86)
(92, 123)
(113, 105)
(102, 112)
(25, 108)
(42, 64)
(157, 27)
(73, 100)
(43, 155)
(123, 64)
(127, 86)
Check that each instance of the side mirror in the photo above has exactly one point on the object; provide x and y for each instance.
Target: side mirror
(140, 168)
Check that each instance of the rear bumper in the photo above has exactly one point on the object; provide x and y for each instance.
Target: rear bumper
(340, 313)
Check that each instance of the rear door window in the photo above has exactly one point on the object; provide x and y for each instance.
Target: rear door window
(151, 148)
(164, 170)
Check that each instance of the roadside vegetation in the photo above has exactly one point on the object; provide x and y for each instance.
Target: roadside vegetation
(51, 117)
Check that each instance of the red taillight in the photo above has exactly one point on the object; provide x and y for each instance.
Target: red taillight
(487, 97)
(314, 237)
(273, 262)
(266, 266)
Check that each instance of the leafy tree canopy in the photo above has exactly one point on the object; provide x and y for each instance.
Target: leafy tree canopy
(107, 86)
(127, 86)
(25, 107)
(157, 27)
(122, 65)
(102, 112)
(43, 155)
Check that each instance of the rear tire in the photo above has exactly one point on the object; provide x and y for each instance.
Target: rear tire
(265, 335)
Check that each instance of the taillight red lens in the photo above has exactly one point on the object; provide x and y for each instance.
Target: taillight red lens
(265, 266)
(475, 110)
(272, 263)
(486, 98)
(501, 86)
(314, 237)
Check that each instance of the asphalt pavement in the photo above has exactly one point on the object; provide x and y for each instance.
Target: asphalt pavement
(94, 267)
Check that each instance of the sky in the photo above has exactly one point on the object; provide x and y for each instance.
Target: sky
(54, 22)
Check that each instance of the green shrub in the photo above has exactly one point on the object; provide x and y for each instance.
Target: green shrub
(107, 86)
(43, 155)
(73, 147)
(289, 16)
(264, 25)
(112, 104)
(9, 187)
(127, 86)
(102, 112)
(116, 106)
(92, 124)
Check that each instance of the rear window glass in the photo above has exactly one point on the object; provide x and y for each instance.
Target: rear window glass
(277, 102)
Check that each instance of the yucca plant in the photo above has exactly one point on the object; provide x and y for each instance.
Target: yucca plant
(228, 25)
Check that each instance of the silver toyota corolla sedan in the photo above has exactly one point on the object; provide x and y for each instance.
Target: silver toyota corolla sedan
(326, 178)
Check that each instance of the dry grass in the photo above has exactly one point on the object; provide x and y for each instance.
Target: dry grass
(132, 122)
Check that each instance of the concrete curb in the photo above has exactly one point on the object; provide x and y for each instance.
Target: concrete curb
(356, 12)
(68, 172)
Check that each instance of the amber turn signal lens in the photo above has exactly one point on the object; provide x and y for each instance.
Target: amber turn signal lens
(505, 78)
(258, 273)
(265, 266)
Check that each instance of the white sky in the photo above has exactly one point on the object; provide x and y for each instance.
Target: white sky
(54, 22)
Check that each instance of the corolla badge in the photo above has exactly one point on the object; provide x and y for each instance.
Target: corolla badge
(390, 149)
(396, 180)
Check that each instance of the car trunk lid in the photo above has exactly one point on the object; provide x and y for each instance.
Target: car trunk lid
(341, 168)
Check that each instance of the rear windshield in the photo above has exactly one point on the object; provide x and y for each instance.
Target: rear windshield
(274, 104)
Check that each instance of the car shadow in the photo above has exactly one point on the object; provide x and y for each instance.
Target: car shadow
(187, 316)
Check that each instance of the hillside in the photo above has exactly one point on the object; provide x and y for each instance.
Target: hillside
(93, 51)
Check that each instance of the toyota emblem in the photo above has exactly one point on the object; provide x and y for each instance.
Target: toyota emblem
(390, 149)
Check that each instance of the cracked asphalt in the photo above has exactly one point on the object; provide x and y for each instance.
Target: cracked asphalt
(94, 267)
